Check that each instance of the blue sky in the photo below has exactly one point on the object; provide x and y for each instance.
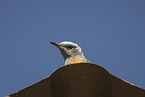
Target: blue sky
(111, 34)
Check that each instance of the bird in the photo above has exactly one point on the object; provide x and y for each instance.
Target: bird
(71, 52)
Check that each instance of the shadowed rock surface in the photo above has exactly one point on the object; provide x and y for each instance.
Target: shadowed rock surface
(81, 80)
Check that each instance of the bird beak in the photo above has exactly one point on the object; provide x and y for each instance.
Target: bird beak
(56, 44)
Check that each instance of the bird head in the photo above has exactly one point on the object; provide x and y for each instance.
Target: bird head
(68, 49)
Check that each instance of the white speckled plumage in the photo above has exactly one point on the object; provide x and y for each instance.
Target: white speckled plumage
(71, 52)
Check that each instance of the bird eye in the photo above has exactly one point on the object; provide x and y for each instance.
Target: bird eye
(70, 47)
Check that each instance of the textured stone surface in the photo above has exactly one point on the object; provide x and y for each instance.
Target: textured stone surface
(81, 80)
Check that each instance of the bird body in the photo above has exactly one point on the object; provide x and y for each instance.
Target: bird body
(71, 52)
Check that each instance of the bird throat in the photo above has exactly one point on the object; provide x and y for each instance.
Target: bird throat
(76, 60)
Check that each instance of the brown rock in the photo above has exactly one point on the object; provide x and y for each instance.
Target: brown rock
(81, 80)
